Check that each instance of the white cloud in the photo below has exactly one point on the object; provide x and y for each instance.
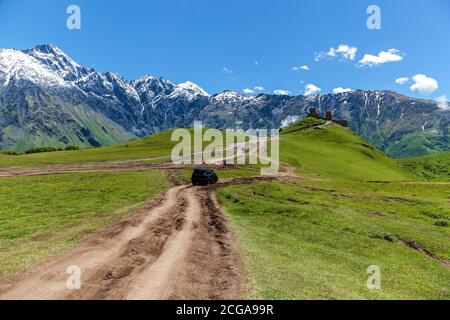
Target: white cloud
(282, 92)
(300, 68)
(289, 120)
(346, 52)
(402, 81)
(311, 89)
(248, 91)
(392, 55)
(341, 90)
(258, 88)
(227, 71)
(443, 103)
(424, 85)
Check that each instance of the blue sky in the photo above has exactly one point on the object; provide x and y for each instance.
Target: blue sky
(246, 44)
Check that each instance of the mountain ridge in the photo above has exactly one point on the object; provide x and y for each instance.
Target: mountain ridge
(45, 97)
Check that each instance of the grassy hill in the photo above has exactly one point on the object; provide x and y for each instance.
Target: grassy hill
(331, 151)
(155, 146)
(305, 239)
(435, 166)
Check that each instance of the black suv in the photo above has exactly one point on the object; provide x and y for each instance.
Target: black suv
(204, 177)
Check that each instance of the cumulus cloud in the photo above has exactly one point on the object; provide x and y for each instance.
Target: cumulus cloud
(341, 90)
(311, 89)
(258, 88)
(282, 92)
(402, 81)
(424, 85)
(370, 60)
(289, 120)
(300, 68)
(344, 51)
(248, 91)
(443, 103)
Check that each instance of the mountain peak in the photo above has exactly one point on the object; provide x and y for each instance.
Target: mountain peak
(193, 88)
(46, 48)
(15, 65)
(56, 60)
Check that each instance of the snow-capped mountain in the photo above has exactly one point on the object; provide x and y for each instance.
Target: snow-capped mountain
(57, 61)
(46, 98)
(19, 68)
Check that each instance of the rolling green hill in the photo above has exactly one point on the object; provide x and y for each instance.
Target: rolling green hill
(305, 239)
(155, 146)
(319, 150)
(435, 166)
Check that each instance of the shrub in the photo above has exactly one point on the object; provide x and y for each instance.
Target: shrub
(440, 216)
(11, 153)
(72, 148)
(382, 236)
(51, 149)
(441, 223)
(41, 150)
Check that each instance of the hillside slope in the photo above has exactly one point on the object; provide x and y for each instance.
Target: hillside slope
(157, 146)
(331, 151)
(435, 166)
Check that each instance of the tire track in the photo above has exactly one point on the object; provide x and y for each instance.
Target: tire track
(176, 247)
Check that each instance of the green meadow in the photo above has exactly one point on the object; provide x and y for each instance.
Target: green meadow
(299, 238)
(41, 216)
(304, 239)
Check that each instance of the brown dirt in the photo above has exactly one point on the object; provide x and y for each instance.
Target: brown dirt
(178, 246)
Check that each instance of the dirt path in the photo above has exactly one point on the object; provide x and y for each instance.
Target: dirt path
(158, 281)
(100, 167)
(175, 247)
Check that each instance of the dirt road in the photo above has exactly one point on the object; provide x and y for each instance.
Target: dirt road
(175, 247)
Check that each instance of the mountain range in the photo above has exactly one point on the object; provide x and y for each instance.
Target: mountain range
(47, 99)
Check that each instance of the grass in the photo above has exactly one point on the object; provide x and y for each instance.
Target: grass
(159, 145)
(337, 153)
(300, 239)
(432, 167)
(41, 216)
(153, 149)
(315, 240)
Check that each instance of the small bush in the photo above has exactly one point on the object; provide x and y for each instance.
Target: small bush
(441, 223)
(440, 216)
(41, 150)
(51, 149)
(382, 236)
(72, 148)
(11, 153)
